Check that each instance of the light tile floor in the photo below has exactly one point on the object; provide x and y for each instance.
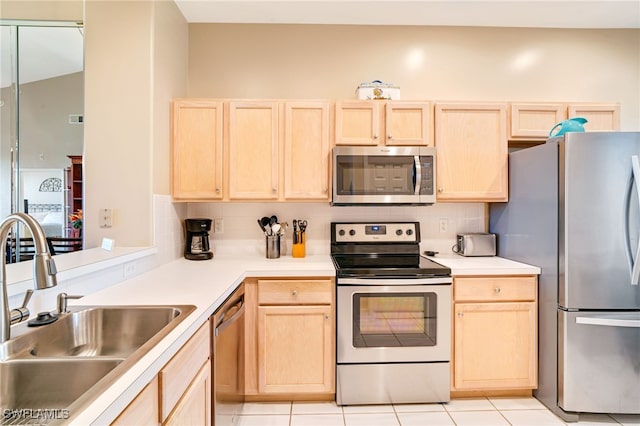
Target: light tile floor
(460, 412)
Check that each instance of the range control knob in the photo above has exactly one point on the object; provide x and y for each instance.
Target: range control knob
(409, 231)
(341, 232)
(352, 232)
(398, 232)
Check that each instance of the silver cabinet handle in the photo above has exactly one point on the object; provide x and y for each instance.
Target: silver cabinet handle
(460, 314)
(294, 293)
(633, 261)
(497, 290)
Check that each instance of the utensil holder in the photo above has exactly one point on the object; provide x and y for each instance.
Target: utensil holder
(273, 246)
(298, 249)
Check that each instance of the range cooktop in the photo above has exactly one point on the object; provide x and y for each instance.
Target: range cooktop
(358, 265)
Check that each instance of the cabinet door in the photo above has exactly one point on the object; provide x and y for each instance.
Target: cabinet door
(196, 146)
(307, 149)
(533, 120)
(472, 153)
(357, 123)
(495, 346)
(143, 410)
(177, 375)
(295, 349)
(599, 117)
(194, 408)
(253, 150)
(408, 123)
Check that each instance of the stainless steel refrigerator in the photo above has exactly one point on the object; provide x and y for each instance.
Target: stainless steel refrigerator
(574, 211)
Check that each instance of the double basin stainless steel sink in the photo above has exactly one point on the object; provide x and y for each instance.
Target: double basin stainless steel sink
(52, 372)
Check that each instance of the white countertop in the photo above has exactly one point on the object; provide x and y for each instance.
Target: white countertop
(206, 284)
(485, 265)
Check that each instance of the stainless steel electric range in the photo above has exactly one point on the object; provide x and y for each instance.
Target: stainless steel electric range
(393, 316)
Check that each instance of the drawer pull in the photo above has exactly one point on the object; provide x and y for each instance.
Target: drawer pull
(460, 314)
(294, 293)
(497, 290)
(326, 317)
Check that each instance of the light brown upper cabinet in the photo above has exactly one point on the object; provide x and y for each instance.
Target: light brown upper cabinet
(254, 150)
(196, 165)
(383, 123)
(307, 150)
(599, 116)
(471, 150)
(534, 121)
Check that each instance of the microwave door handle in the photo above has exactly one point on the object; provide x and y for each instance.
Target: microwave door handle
(418, 174)
(634, 261)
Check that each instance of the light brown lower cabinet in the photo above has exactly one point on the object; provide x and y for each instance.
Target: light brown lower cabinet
(143, 410)
(495, 333)
(290, 339)
(181, 392)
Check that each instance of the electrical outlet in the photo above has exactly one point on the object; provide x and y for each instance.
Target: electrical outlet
(129, 269)
(443, 225)
(218, 226)
(106, 218)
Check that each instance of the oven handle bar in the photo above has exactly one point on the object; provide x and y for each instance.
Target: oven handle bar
(394, 281)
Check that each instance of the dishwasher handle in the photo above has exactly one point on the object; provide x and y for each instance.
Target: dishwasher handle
(225, 322)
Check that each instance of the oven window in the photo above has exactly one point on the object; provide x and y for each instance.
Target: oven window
(375, 175)
(394, 319)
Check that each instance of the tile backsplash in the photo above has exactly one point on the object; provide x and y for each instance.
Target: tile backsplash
(240, 229)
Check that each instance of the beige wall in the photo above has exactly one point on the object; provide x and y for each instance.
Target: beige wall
(437, 63)
(46, 10)
(129, 83)
(171, 49)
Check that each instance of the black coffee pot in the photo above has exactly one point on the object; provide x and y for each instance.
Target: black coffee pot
(197, 242)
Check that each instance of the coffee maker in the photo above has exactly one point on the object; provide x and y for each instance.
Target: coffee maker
(197, 242)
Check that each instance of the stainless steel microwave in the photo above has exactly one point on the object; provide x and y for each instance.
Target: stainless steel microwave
(377, 175)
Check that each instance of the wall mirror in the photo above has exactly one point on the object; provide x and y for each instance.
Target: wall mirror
(42, 132)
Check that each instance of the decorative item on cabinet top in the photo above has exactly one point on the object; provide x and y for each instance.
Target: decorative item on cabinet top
(378, 90)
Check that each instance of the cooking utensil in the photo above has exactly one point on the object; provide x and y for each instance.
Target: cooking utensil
(266, 222)
(295, 231)
(262, 227)
(273, 220)
(275, 228)
(283, 228)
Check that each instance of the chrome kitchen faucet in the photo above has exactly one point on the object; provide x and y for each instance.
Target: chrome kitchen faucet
(44, 268)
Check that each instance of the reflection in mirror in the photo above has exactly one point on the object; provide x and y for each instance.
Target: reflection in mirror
(41, 132)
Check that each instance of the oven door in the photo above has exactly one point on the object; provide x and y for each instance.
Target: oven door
(394, 323)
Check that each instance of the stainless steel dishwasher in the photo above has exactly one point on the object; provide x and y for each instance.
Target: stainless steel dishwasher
(228, 360)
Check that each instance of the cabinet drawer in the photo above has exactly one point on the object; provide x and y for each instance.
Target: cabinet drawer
(178, 374)
(497, 289)
(293, 292)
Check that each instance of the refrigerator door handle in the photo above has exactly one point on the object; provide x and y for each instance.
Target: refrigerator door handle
(634, 261)
(609, 322)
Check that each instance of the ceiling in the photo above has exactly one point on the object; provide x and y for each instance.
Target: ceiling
(43, 52)
(496, 13)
